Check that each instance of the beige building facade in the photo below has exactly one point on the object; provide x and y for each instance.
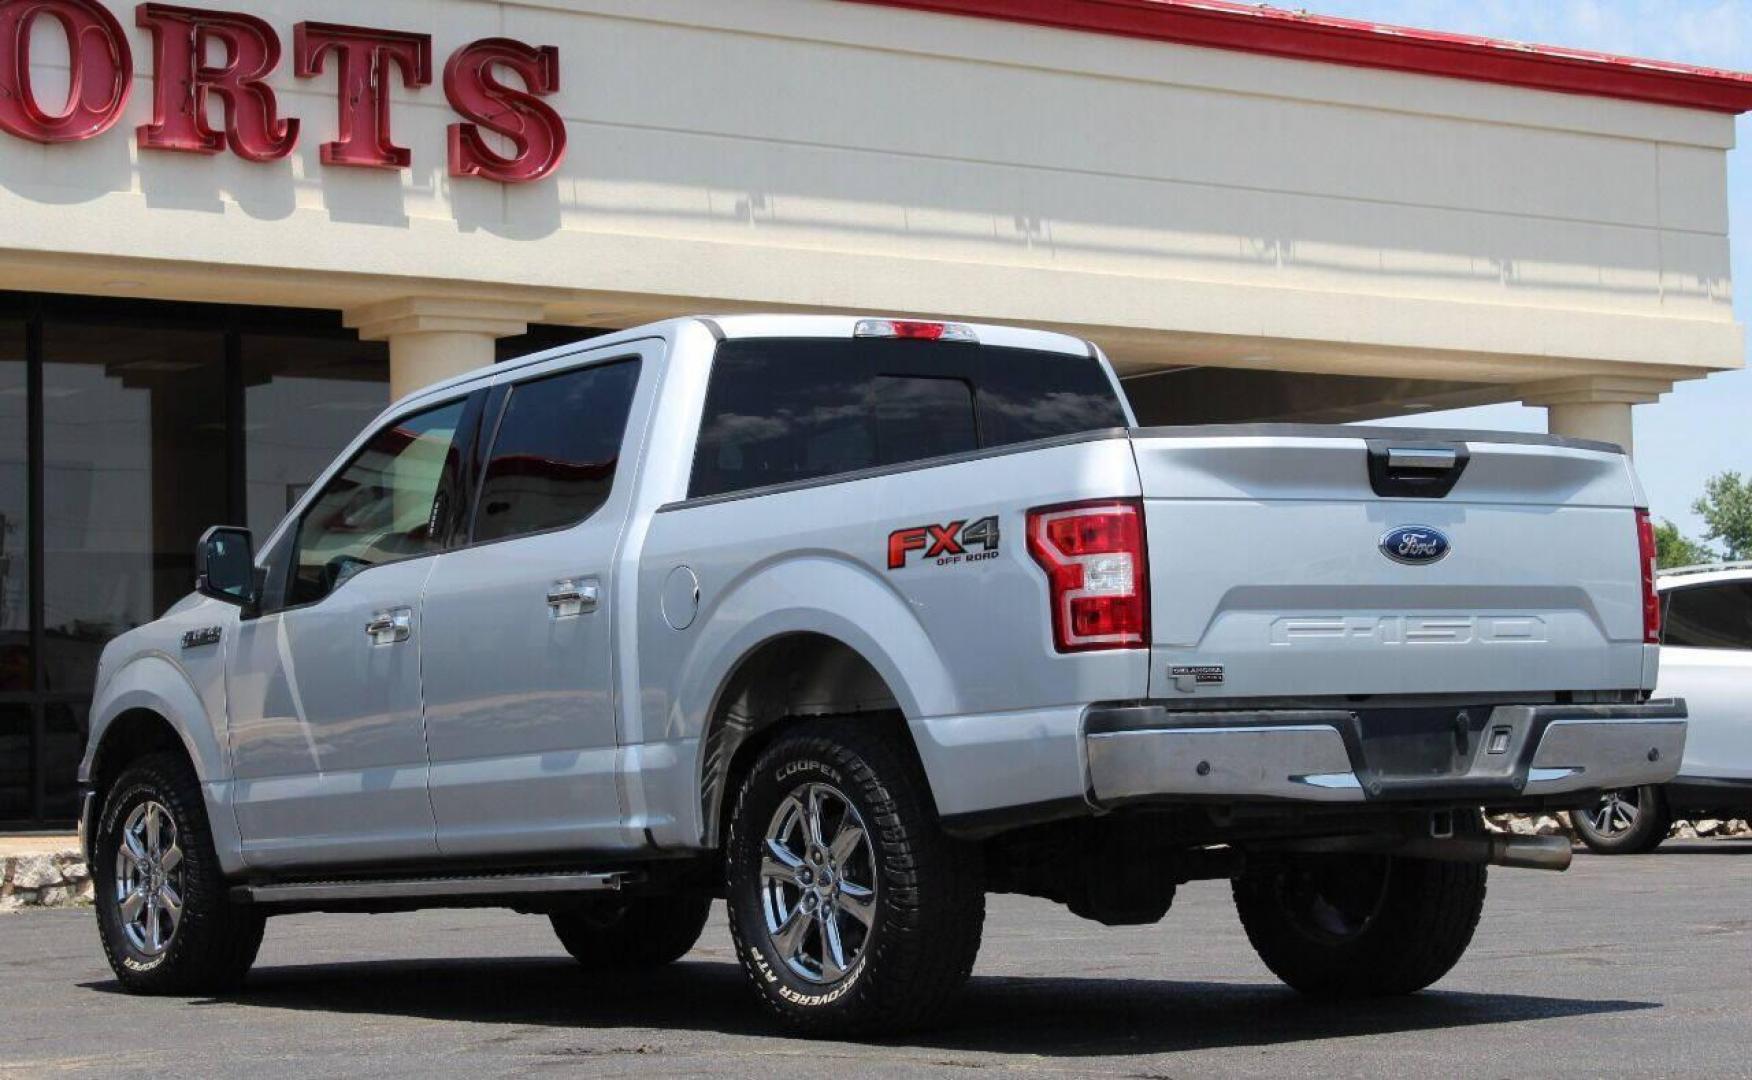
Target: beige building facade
(1260, 215)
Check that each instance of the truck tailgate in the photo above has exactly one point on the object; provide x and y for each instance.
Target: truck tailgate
(1271, 574)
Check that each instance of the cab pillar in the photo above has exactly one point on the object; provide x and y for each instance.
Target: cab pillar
(434, 338)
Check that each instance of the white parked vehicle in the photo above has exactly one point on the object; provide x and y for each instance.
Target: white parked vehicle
(1706, 659)
(852, 621)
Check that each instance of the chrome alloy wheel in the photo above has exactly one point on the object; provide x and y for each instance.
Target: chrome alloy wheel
(818, 883)
(149, 879)
(1616, 812)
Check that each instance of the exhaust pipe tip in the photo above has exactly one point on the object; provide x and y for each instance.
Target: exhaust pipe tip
(1532, 852)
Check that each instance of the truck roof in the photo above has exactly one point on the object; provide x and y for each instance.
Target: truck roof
(725, 327)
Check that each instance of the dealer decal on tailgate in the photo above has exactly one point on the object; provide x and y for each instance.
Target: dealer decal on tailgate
(945, 545)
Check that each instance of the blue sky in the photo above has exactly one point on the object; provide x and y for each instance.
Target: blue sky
(1703, 426)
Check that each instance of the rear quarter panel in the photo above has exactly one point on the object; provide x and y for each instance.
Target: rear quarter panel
(952, 638)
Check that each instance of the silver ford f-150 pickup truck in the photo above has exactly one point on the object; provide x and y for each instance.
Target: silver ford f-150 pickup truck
(851, 622)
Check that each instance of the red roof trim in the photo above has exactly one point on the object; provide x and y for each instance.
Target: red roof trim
(1218, 24)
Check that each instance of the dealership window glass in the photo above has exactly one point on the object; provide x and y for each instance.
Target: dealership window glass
(381, 507)
(16, 752)
(780, 410)
(15, 658)
(554, 456)
(135, 470)
(305, 398)
(1709, 617)
(64, 731)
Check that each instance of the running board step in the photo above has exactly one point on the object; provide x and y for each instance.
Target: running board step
(427, 888)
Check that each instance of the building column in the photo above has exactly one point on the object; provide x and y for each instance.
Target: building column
(1594, 406)
(433, 338)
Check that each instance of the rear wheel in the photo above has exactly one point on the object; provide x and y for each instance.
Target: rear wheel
(850, 909)
(1626, 821)
(1360, 925)
(167, 923)
(633, 932)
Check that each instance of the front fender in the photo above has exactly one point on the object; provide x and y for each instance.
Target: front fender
(154, 683)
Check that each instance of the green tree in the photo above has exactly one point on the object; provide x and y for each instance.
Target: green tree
(1726, 507)
(1674, 548)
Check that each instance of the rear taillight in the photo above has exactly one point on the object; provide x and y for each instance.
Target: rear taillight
(1651, 600)
(1097, 573)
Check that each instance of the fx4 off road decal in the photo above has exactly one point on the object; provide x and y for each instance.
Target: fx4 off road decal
(944, 545)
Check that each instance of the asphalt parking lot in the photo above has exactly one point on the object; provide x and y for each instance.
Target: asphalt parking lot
(1639, 966)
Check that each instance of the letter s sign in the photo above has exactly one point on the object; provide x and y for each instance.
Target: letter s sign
(536, 131)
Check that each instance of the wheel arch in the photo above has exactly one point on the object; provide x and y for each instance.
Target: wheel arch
(149, 705)
(784, 681)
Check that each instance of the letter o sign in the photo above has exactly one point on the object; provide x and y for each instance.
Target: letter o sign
(100, 76)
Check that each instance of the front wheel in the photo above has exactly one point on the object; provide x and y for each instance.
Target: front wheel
(167, 925)
(1360, 925)
(851, 910)
(1628, 821)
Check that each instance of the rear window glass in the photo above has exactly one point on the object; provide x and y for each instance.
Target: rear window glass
(1709, 617)
(781, 410)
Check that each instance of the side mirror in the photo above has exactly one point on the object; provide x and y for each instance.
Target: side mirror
(225, 566)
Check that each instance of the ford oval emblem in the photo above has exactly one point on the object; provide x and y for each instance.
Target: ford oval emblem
(1415, 545)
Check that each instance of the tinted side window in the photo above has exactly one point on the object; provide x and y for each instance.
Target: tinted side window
(1709, 617)
(784, 410)
(389, 503)
(553, 460)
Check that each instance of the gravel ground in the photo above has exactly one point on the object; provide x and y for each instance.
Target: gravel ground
(1622, 966)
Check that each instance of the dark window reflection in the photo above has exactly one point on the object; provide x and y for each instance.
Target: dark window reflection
(922, 417)
(15, 664)
(64, 730)
(15, 758)
(554, 457)
(1709, 617)
(135, 453)
(305, 399)
(782, 410)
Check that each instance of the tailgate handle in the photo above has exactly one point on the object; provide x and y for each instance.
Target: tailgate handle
(1402, 458)
(1417, 470)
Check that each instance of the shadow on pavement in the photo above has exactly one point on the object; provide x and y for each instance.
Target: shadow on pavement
(1054, 1017)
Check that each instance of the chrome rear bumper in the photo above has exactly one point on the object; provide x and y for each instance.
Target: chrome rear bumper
(1150, 753)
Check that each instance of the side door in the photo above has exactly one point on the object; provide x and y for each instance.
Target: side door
(1706, 658)
(519, 682)
(324, 685)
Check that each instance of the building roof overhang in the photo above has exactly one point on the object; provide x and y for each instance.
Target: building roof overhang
(1219, 24)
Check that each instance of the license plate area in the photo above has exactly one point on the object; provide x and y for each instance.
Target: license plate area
(1420, 743)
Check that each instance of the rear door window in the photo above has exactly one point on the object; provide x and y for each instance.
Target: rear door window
(782, 410)
(553, 459)
(1709, 616)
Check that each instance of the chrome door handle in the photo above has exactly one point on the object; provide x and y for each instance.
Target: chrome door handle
(390, 627)
(570, 597)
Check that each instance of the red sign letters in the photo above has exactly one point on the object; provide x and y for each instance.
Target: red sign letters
(362, 60)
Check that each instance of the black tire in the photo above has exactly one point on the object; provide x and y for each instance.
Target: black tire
(1601, 824)
(211, 946)
(921, 890)
(1360, 925)
(628, 933)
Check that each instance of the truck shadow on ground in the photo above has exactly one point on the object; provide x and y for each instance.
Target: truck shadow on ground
(1054, 1017)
